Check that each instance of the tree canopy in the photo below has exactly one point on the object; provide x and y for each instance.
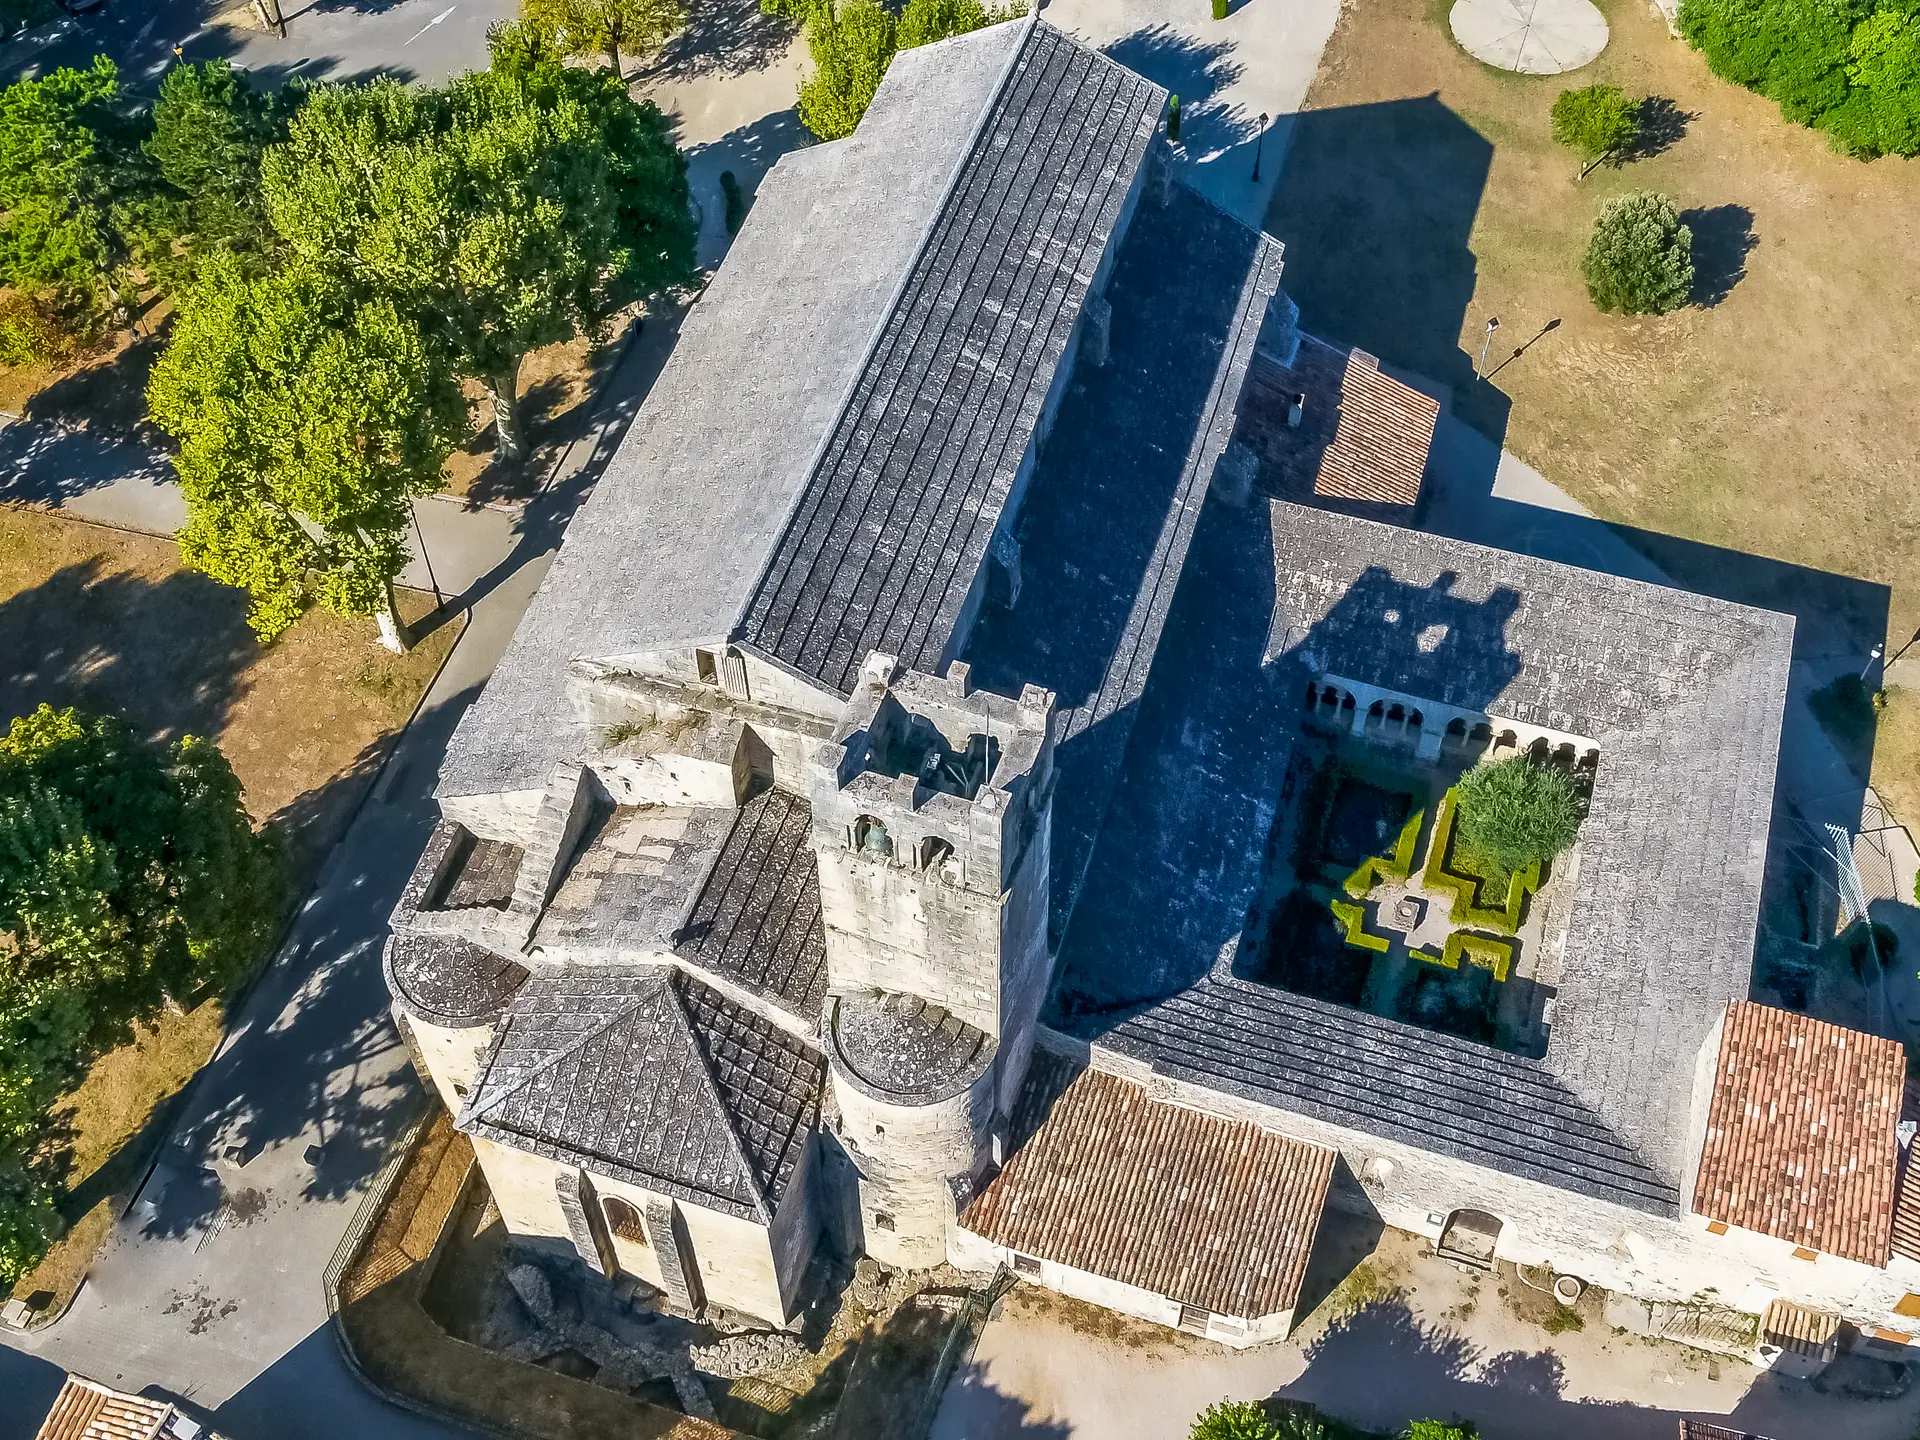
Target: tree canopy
(1515, 811)
(210, 129)
(1598, 121)
(607, 27)
(852, 43)
(62, 225)
(519, 206)
(309, 417)
(1639, 257)
(129, 873)
(1850, 68)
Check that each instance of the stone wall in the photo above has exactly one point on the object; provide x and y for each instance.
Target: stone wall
(452, 1057)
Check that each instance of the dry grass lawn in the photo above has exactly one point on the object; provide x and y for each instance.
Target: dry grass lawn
(111, 621)
(1423, 194)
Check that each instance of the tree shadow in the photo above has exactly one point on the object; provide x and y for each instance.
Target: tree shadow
(169, 655)
(107, 398)
(1663, 125)
(974, 1409)
(1722, 239)
(1197, 73)
(1376, 208)
(722, 38)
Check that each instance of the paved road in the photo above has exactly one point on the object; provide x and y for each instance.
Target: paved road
(326, 39)
(209, 1287)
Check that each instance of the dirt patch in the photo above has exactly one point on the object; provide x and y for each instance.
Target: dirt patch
(1423, 195)
(556, 382)
(1896, 753)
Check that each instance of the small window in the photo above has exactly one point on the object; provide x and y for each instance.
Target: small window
(624, 1221)
(1801, 1252)
(1909, 1306)
(1717, 1227)
(1194, 1320)
(459, 1089)
(1026, 1265)
(879, 1130)
(709, 672)
(883, 1221)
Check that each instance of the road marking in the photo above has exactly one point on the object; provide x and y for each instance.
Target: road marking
(431, 23)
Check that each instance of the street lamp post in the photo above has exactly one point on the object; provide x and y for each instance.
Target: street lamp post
(1259, 139)
(439, 600)
(1493, 324)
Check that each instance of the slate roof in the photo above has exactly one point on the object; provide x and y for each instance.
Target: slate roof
(1800, 1133)
(1683, 696)
(757, 919)
(896, 516)
(668, 547)
(1108, 518)
(449, 981)
(651, 1077)
(1209, 1212)
(87, 1410)
(906, 1049)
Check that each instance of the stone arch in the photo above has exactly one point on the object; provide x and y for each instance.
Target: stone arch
(1563, 753)
(1396, 714)
(870, 836)
(1538, 749)
(1416, 722)
(1480, 735)
(1590, 760)
(931, 851)
(623, 1220)
(1346, 704)
(1377, 716)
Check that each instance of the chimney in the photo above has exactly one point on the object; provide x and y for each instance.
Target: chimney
(1297, 409)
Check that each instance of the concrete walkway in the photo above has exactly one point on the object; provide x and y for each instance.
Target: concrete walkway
(209, 1287)
(1260, 59)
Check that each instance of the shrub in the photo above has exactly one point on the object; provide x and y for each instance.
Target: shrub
(1397, 866)
(27, 335)
(1470, 899)
(1219, 9)
(1233, 1419)
(1489, 952)
(1849, 67)
(1173, 119)
(1440, 1430)
(1599, 121)
(1517, 813)
(1640, 257)
(1353, 920)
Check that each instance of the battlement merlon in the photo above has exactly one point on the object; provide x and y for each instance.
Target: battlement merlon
(930, 772)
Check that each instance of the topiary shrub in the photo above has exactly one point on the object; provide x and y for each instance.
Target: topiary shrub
(1233, 1419)
(1353, 921)
(1219, 9)
(1599, 121)
(1515, 813)
(1639, 259)
(1173, 119)
(1397, 866)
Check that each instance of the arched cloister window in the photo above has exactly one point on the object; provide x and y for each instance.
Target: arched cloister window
(870, 836)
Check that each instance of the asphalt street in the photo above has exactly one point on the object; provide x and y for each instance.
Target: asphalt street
(425, 40)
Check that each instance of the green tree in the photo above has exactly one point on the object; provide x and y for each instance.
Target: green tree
(1639, 257)
(62, 160)
(607, 27)
(1440, 1430)
(852, 44)
(1599, 122)
(309, 418)
(520, 206)
(1234, 1420)
(210, 129)
(1881, 115)
(129, 874)
(1514, 812)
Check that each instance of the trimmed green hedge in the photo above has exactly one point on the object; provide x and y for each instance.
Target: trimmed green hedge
(1465, 904)
(1353, 918)
(1489, 952)
(1377, 869)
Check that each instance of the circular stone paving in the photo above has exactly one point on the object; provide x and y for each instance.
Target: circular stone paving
(1532, 37)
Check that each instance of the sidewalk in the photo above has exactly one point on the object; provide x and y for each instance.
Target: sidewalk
(208, 1286)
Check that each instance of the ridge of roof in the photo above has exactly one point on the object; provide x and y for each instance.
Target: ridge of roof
(900, 286)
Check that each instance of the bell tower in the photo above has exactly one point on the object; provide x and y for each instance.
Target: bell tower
(932, 825)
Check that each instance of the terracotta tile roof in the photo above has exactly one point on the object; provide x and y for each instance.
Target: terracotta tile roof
(86, 1410)
(1701, 1430)
(1363, 436)
(1214, 1213)
(1797, 1329)
(1800, 1133)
